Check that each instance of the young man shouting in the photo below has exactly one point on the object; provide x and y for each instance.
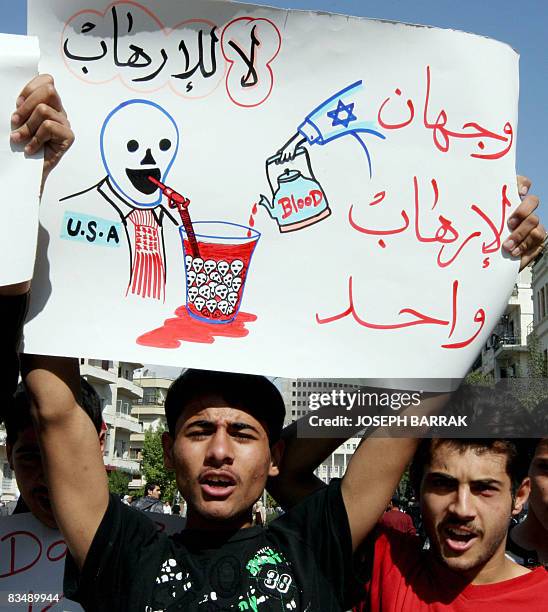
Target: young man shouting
(223, 443)
(468, 490)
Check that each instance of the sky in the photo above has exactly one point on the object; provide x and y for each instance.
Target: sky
(523, 25)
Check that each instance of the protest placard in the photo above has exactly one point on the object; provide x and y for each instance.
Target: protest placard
(32, 561)
(20, 174)
(283, 192)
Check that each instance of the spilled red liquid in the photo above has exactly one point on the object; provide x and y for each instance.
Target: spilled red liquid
(184, 328)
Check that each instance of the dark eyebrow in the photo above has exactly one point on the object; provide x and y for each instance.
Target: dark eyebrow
(243, 426)
(441, 475)
(487, 481)
(209, 425)
(201, 423)
(479, 481)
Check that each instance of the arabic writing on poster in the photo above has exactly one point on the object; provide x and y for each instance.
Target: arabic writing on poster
(193, 57)
(247, 193)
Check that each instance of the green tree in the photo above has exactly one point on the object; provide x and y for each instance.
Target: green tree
(480, 379)
(537, 387)
(118, 482)
(153, 464)
(536, 365)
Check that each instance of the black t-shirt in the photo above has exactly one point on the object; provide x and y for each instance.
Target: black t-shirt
(527, 558)
(13, 310)
(301, 562)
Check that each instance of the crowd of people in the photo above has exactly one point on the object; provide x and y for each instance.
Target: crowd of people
(334, 547)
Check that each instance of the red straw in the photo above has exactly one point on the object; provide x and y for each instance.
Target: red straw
(176, 200)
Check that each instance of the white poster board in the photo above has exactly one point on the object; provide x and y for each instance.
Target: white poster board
(20, 174)
(349, 184)
(32, 562)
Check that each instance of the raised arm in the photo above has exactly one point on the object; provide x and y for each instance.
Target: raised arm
(38, 121)
(300, 458)
(377, 467)
(71, 454)
(70, 445)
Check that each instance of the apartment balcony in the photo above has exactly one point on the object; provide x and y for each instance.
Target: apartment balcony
(125, 465)
(505, 346)
(149, 409)
(129, 423)
(136, 440)
(96, 371)
(129, 388)
(136, 483)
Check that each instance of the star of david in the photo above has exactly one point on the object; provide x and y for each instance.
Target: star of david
(340, 110)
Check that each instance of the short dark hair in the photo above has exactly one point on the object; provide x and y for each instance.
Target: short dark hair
(150, 486)
(518, 456)
(496, 412)
(18, 417)
(255, 394)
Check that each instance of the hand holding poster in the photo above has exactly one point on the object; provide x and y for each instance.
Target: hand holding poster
(270, 191)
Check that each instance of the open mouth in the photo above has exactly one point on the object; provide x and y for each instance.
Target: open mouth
(139, 179)
(459, 539)
(218, 486)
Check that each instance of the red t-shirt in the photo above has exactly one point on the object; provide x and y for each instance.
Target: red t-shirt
(400, 521)
(402, 581)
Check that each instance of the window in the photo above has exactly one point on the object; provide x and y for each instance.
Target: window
(123, 408)
(151, 396)
(105, 365)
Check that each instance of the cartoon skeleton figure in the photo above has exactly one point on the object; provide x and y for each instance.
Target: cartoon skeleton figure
(139, 139)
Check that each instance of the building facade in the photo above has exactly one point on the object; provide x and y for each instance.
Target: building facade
(505, 355)
(113, 381)
(149, 411)
(296, 394)
(540, 301)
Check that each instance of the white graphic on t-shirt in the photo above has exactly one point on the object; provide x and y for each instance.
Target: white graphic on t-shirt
(170, 573)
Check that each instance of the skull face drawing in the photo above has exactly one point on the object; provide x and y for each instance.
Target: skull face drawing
(139, 139)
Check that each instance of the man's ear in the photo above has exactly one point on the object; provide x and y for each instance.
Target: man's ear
(167, 445)
(522, 495)
(102, 439)
(276, 454)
